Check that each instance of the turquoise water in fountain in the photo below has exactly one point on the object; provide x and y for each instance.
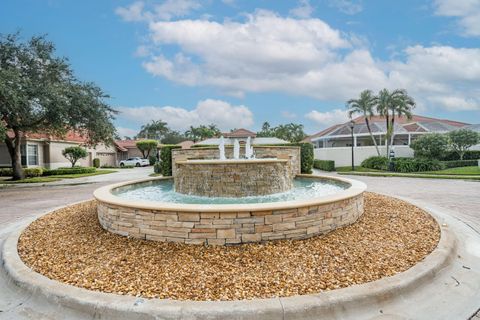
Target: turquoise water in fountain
(163, 191)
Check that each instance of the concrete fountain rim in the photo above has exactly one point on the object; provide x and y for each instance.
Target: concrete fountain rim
(305, 306)
(105, 195)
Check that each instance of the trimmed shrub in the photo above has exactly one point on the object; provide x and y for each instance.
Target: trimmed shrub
(152, 160)
(6, 172)
(96, 163)
(459, 163)
(325, 165)
(157, 167)
(74, 170)
(306, 157)
(33, 172)
(406, 165)
(375, 162)
(75, 153)
(430, 146)
(469, 155)
(166, 159)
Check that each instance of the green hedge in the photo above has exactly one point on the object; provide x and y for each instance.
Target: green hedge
(152, 160)
(29, 172)
(306, 157)
(406, 165)
(325, 165)
(459, 163)
(375, 162)
(6, 172)
(74, 170)
(469, 155)
(96, 162)
(166, 159)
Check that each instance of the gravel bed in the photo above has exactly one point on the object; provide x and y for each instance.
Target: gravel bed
(70, 246)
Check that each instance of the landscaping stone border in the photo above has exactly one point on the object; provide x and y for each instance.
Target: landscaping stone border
(327, 304)
(229, 224)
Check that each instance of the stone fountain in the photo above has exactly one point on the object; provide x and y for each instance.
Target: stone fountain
(237, 177)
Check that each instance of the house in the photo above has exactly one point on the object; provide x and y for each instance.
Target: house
(42, 150)
(335, 142)
(242, 135)
(127, 149)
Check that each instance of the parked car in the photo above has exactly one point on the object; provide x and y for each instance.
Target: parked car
(136, 161)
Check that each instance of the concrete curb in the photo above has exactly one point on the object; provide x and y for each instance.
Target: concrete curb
(327, 304)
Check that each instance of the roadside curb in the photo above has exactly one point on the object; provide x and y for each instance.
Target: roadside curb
(329, 304)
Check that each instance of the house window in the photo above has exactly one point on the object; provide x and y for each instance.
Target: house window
(32, 154)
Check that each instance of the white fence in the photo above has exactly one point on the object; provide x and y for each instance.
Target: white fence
(343, 155)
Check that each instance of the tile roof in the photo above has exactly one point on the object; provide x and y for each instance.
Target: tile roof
(402, 125)
(239, 133)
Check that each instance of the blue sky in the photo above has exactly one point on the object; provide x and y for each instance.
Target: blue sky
(240, 63)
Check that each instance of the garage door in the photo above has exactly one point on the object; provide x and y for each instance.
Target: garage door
(106, 159)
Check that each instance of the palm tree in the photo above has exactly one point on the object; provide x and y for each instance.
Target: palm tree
(391, 104)
(364, 106)
(402, 106)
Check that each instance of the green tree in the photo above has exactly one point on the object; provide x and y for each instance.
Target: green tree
(40, 94)
(462, 139)
(390, 104)
(173, 137)
(266, 130)
(147, 146)
(202, 132)
(430, 146)
(365, 106)
(156, 129)
(73, 154)
(291, 132)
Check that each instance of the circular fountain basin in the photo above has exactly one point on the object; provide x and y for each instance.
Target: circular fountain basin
(151, 209)
(233, 178)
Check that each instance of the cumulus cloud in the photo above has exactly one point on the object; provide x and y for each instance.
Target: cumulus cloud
(467, 12)
(266, 52)
(304, 9)
(126, 132)
(350, 7)
(208, 111)
(164, 11)
(327, 118)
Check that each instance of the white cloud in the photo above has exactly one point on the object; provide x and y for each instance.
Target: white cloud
(133, 12)
(467, 11)
(164, 11)
(328, 118)
(350, 7)
(440, 76)
(222, 113)
(126, 132)
(270, 53)
(304, 9)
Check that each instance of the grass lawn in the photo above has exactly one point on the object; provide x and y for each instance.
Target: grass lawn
(58, 177)
(357, 169)
(473, 170)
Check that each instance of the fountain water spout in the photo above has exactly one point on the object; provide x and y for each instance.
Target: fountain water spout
(236, 149)
(248, 149)
(221, 148)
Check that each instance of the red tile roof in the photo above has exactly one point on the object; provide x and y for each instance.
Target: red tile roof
(239, 133)
(70, 136)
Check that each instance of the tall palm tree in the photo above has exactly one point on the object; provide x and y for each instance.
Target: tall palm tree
(391, 104)
(402, 106)
(365, 106)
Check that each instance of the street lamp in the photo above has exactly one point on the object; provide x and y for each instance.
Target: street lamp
(352, 126)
